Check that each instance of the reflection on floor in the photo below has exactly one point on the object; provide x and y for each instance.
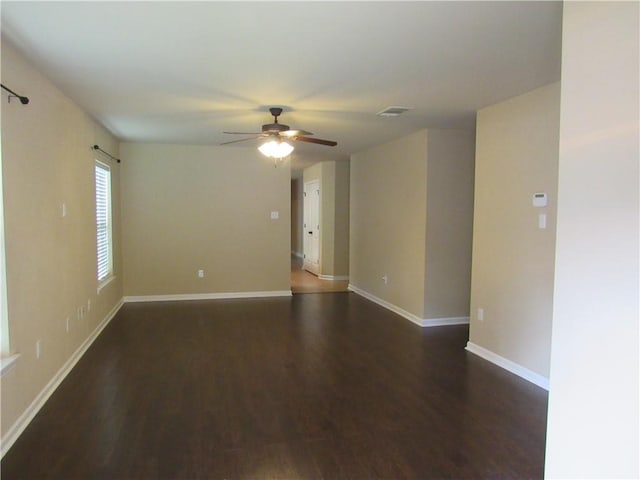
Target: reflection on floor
(305, 282)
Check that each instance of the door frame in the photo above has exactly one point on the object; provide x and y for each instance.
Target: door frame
(306, 265)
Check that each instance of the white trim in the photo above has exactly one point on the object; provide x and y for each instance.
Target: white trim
(389, 306)
(205, 296)
(7, 362)
(333, 277)
(23, 421)
(105, 282)
(441, 322)
(297, 254)
(423, 322)
(535, 378)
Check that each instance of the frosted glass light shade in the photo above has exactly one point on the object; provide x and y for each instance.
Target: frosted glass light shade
(275, 149)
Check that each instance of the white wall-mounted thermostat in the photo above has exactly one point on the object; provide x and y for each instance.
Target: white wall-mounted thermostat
(540, 199)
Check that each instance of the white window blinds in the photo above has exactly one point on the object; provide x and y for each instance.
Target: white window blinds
(103, 222)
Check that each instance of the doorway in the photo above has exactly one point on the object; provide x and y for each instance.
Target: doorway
(311, 270)
(311, 227)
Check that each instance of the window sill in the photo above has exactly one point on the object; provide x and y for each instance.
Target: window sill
(7, 363)
(105, 282)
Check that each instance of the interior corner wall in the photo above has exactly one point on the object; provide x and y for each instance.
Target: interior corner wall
(450, 176)
(513, 259)
(187, 208)
(594, 419)
(341, 220)
(388, 199)
(296, 216)
(327, 217)
(47, 161)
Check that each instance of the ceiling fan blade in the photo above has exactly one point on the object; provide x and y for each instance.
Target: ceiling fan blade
(294, 133)
(329, 143)
(243, 133)
(241, 140)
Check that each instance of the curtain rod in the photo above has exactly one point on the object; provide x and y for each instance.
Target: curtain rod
(96, 147)
(23, 100)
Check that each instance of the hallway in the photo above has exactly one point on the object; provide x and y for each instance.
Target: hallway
(305, 282)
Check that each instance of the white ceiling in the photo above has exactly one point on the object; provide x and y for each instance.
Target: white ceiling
(182, 72)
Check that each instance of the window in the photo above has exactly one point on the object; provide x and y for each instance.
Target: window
(4, 318)
(103, 224)
(7, 360)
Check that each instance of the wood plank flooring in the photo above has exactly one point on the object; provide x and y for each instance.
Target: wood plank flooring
(325, 386)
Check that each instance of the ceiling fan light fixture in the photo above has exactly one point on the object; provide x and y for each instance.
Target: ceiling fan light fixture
(276, 149)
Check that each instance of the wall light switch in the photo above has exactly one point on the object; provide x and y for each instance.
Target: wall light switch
(542, 221)
(275, 215)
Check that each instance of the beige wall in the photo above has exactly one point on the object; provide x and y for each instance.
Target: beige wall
(388, 195)
(512, 270)
(411, 214)
(341, 220)
(187, 208)
(450, 175)
(296, 216)
(593, 422)
(51, 260)
(334, 215)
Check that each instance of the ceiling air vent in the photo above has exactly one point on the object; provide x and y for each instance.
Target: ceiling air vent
(392, 111)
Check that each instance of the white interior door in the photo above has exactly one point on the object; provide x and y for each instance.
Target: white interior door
(311, 225)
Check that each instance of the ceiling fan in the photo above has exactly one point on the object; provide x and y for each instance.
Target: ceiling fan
(278, 133)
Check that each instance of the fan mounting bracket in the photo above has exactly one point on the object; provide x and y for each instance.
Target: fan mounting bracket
(276, 112)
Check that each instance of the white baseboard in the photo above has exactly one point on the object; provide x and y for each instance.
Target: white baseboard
(423, 322)
(441, 322)
(333, 277)
(508, 365)
(205, 296)
(23, 421)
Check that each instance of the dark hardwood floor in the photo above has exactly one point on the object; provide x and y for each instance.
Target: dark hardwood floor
(314, 386)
